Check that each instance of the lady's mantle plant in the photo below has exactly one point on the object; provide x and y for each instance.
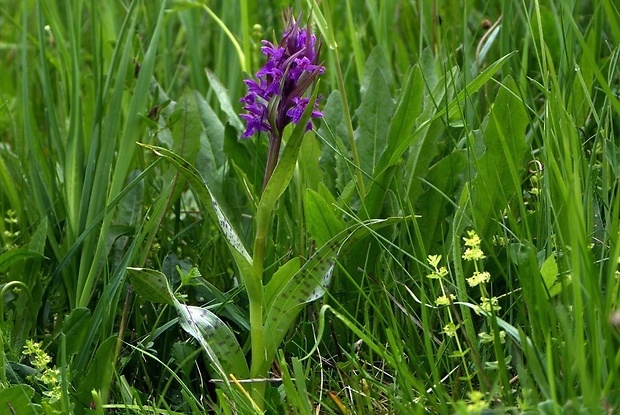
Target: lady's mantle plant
(277, 98)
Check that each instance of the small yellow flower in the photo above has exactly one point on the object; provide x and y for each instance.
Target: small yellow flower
(444, 300)
(479, 277)
(51, 377)
(450, 329)
(489, 303)
(489, 338)
(477, 402)
(39, 358)
(473, 241)
(433, 260)
(473, 254)
(476, 396)
(438, 273)
(473, 251)
(499, 240)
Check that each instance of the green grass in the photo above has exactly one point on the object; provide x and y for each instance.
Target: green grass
(124, 290)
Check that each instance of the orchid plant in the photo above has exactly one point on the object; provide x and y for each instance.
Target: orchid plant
(277, 98)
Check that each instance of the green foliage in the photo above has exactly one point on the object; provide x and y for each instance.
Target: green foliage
(444, 241)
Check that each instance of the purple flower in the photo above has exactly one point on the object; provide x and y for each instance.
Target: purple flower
(276, 97)
(297, 110)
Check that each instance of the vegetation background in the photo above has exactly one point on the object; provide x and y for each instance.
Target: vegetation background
(472, 152)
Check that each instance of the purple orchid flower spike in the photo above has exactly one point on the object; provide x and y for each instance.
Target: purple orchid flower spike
(276, 98)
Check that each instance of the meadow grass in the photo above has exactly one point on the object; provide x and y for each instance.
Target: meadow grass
(445, 240)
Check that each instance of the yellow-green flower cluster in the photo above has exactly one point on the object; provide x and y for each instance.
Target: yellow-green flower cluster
(38, 357)
(488, 337)
(445, 299)
(477, 402)
(479, 277)
(473, 251)
(9, 234)
(450, 329)
(438, 272)
(50, 377)
(488, 304)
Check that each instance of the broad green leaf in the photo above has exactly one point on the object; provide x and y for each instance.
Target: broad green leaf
(430, 68)
(285, 168)
(424, 147)
(17, 400)
(39, 237)
(401, 126)
(377, 61)
(238, 250)
(212, 142)
(75, 327)
(308, 162)
(498, 178)
(100, 371)
(187, 140)
(151, 285)
(279, 279)
(549, 272)
(395, 152)
(9, 258)
(408, 107)
(322, 221)
(240, 154)
(130, 207)
(335, 153)
(373, 115)
(435, 204)
(310, 283)
(216, 338)
(224, 98)
(228, 306)
(213, 335)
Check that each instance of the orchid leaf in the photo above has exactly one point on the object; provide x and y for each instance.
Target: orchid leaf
(212, 334)
(310, 282)
(216, 338)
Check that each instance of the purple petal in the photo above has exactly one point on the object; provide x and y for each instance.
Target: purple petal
(272, 51)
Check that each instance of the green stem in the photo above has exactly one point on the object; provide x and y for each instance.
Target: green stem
(254, 287)
(245, 30)
(272, 157)
(230, 36)
(257, 389)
